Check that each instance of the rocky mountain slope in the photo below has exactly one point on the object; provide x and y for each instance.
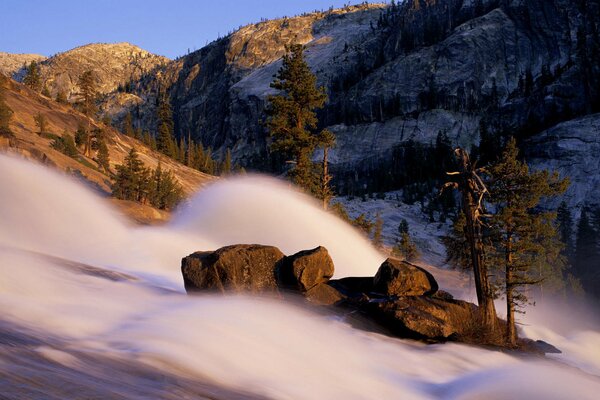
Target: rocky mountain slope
(26, 104)
(114, 65)
(393, 74)
(12, 63)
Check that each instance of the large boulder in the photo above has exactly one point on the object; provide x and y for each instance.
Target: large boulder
(324, 295)
(424, 317)
(239, 267)
(401, 278)
(306, 269)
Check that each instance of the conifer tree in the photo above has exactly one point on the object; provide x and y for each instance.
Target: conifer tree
(164, 140)
(226, 165)
(5, 115)
(66, 145)
(565, 228)
(103, 156)
(378, 231)
(521, 233)
(88, 92)
(41, 123)
(32, 78)
(61, 97)
(457, 247)
(166, 192)
(128, 125)
(81, 138)
(291, 117)
(132, 179)
(405, 248)
(587, 255)
(46, 92)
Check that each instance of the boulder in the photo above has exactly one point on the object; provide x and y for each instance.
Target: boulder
(306, 269)
(323, 295)
(424, 317)
(239, 267)
(401, 278)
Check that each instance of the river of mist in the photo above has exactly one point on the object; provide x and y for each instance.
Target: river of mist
(88, 298)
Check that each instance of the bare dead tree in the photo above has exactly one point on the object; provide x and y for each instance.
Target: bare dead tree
(473, 190)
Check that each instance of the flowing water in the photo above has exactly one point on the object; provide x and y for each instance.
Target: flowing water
(92, 306)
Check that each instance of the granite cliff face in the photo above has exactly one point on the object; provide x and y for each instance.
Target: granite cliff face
(114, 66)
(11, 63)
(393, 74)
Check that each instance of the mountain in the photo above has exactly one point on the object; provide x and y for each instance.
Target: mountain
(12, 63)
(114, 66)
(26, 104)
(393, 73)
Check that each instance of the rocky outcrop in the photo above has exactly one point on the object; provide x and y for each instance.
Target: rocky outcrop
(114, 65)
(239, 268)
(306, 269)
(401, 278)
(12, 63)
(402, 298)
(572, 149)
(424, 317)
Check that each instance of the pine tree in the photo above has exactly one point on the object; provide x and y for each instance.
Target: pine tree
(5, 115)
(65, 144)
(457, 247)
(61, 97)
(291, 117)
(81, 138)
(405, 248)
(565, 228)
(166, 192)
(520, 231)
(378, 231)
(32, 78)
(88, 92)
(103, 156)
(226, 165)
(41, 123)
(128, 125)
(132, 180)
(325, 192)
(46, 92)
(164, 140)
(587, 257)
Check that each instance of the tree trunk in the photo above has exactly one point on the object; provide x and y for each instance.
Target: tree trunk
(325, 180)
(511, 332)
(471, 207)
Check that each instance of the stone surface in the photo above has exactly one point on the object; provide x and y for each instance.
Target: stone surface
(237, 268)
(401, 278)
(307, 269)
(324, 294)
(11, 63)
(425, 317)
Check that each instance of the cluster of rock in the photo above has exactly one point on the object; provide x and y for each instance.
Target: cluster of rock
(401, 298)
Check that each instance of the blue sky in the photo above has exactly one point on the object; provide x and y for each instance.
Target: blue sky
(164, 27)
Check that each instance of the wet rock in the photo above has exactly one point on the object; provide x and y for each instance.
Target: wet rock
(400, 278)
(239, 268)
